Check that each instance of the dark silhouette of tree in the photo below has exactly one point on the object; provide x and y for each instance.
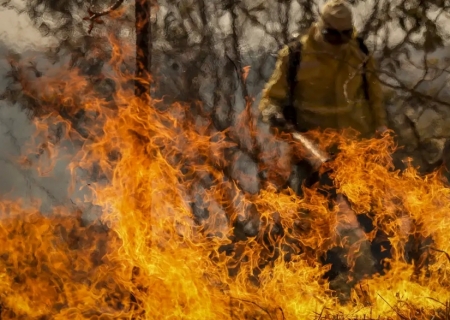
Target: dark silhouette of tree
(143, 29)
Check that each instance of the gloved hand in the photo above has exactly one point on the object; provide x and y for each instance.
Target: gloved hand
(278, 120)
(382, 129)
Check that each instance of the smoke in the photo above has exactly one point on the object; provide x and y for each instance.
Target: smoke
(17, 131)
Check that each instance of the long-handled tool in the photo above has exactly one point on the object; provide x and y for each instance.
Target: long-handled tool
(315, 156)
(347, 224)
(311, 152)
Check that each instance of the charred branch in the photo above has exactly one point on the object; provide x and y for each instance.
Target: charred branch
(94, 16)
(143, 47)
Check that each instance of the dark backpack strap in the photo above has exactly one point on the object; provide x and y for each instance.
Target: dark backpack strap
(295, 48)
(365, 50)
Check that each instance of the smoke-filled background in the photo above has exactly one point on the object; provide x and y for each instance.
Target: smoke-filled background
(18, 34)
(212, 56)
(197, 50)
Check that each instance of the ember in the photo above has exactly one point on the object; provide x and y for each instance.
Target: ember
(178, 238)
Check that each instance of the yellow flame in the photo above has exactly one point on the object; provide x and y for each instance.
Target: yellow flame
(155, 262)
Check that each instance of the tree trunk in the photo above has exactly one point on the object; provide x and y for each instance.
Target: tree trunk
(142, 89)
(143, 47)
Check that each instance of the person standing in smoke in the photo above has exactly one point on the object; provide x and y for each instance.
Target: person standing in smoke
(336, 85)
(326, 79)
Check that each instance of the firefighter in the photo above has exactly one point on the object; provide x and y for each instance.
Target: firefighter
(326, 80)
(330, 91)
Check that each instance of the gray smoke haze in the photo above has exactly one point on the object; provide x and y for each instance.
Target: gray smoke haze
(16, 32)
(16, 130)
(17, 182)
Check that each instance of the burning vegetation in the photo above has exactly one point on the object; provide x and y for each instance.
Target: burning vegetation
(179, 238)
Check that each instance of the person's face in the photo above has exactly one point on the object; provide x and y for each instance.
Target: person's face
(337, 37)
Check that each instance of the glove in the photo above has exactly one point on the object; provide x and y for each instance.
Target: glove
(381, 131)
(278, 120)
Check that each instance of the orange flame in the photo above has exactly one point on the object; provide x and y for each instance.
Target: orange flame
(151, 257)
(245, 72)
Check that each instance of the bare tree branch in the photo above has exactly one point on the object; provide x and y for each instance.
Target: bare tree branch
(94, 16)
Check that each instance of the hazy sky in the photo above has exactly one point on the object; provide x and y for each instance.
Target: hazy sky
(17, 31)
(15, 129)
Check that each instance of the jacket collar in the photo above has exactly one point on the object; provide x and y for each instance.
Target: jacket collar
(313, 42)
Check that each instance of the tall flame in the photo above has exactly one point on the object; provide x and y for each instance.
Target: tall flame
(155, 255)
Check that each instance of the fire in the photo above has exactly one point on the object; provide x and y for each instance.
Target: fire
(153, 254)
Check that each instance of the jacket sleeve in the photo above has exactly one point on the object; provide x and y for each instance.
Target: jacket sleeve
(376, 94)
(276, 90)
